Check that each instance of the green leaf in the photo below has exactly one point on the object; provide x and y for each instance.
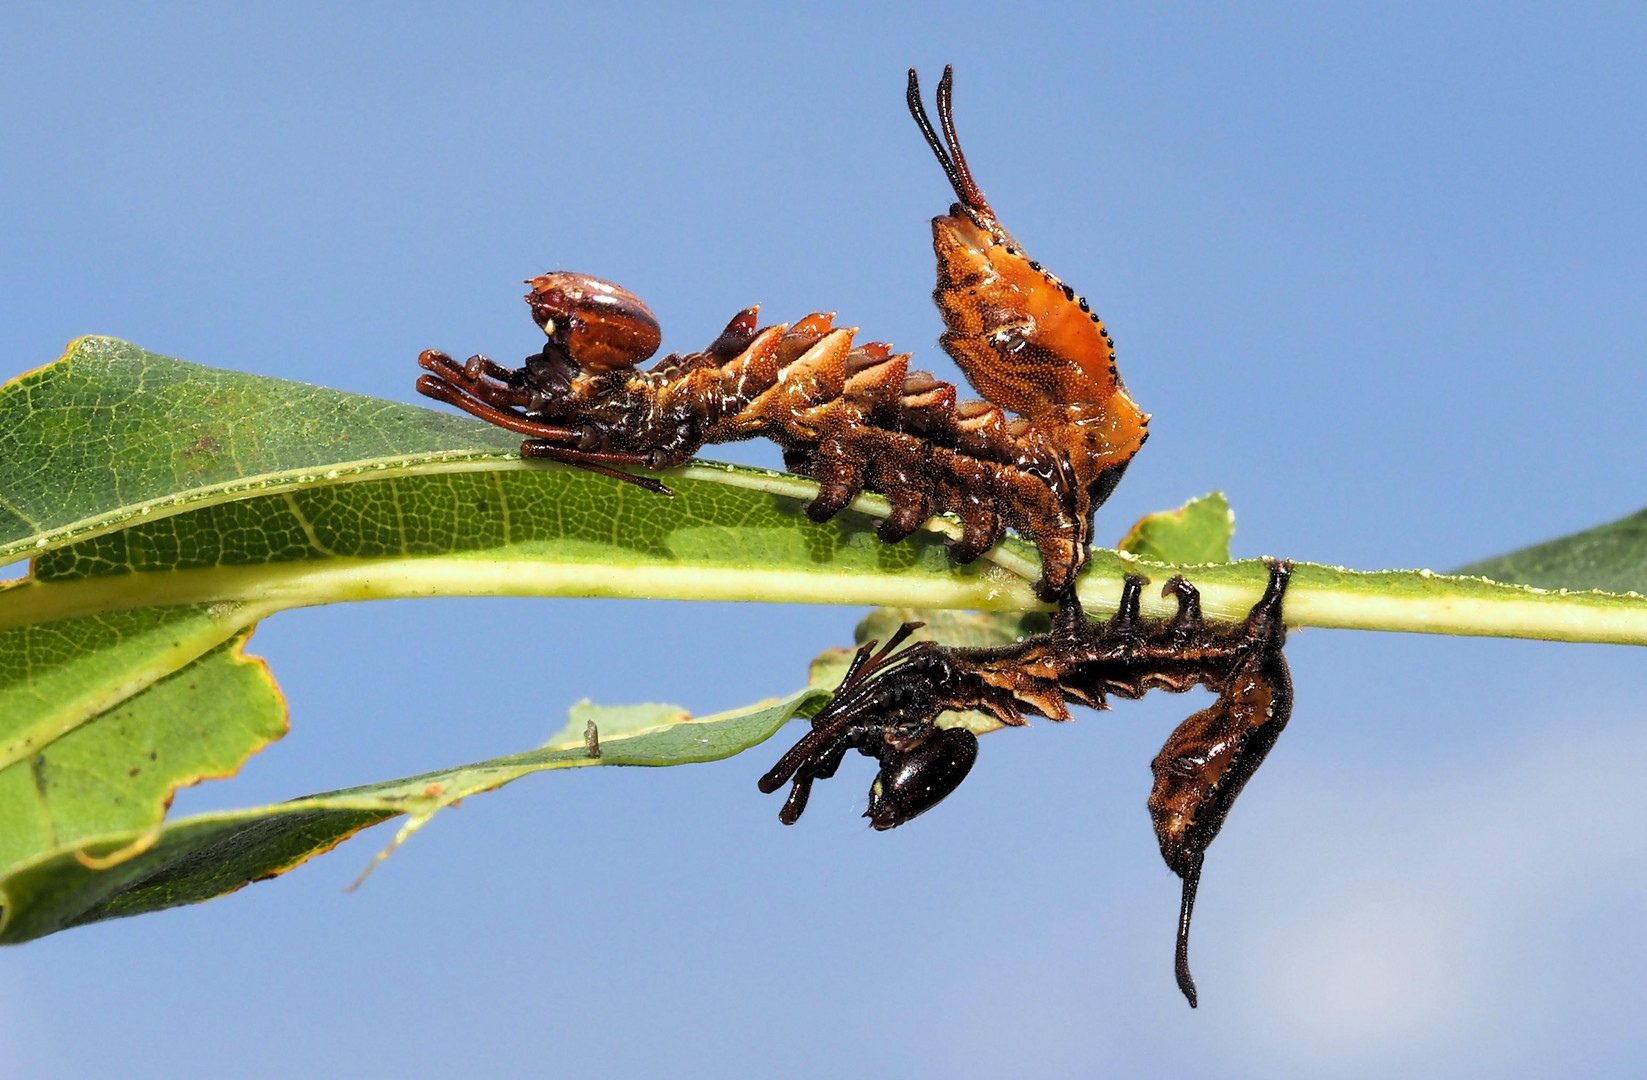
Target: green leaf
(110, 432)
(208, 855)
(1197, 532)
(968, 629)
(119, 771)
(1611, 557)
(55, 674)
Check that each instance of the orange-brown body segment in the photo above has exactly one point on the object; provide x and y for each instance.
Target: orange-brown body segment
(1028, 344)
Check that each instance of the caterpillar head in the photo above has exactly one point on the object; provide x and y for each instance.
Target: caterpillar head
(597, 325)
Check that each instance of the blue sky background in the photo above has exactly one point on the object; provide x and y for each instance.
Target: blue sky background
(1379, 273)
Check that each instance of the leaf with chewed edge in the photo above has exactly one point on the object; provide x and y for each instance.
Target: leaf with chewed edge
(118, 772)
(207, 855)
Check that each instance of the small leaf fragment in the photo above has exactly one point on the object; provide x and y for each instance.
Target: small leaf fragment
(1197, 532)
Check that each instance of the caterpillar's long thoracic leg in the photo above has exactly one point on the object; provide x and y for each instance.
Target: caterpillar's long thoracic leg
(596, 462)
(481, 378)
(435, 387)
(544, 441)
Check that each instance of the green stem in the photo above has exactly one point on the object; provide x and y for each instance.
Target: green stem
(1320, 596)
(1412, 601)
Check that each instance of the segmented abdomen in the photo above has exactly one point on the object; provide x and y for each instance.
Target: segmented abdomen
(854, 418)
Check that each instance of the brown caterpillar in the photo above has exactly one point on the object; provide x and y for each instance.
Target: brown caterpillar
(888, 704)
(852, 417)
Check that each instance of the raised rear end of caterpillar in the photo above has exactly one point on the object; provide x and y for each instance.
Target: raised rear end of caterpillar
(1027, 342)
